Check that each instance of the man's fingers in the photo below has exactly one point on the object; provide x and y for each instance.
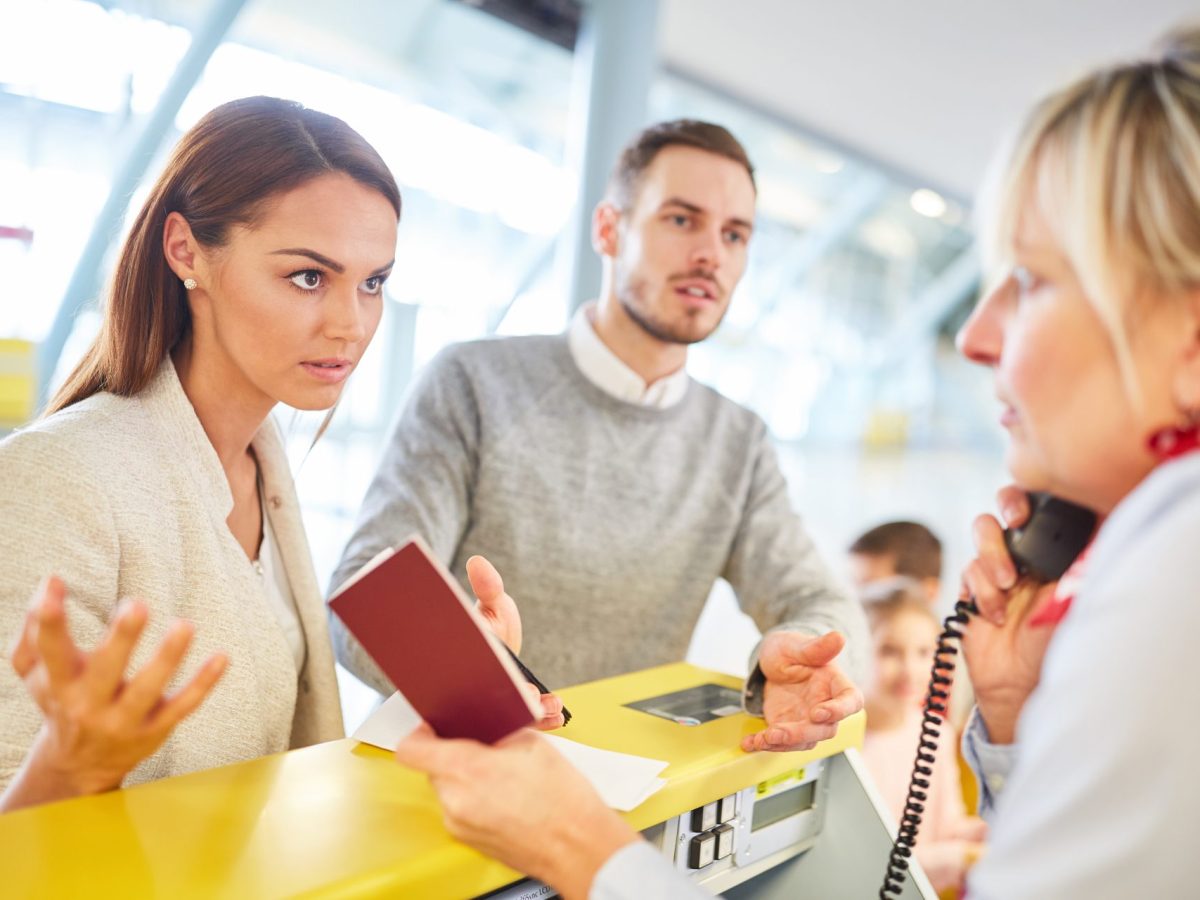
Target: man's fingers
(550, 723)
(552, 717)
(847, 702)
(497, 607)
(788, 736)
(552, 704)
(787, 650)
(551, 707)
(106, 666)
(485, 580)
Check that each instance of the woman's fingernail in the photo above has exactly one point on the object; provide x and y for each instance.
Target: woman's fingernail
(819, 715)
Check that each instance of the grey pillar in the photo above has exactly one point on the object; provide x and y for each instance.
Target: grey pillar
(616, 55)
(86, 279)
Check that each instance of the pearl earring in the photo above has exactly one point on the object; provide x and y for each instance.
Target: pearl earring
(189, 283)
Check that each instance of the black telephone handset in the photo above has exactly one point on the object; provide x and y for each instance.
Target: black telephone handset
(1053, 537)
(1042, 549)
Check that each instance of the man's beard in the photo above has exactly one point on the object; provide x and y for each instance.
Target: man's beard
(630, 296)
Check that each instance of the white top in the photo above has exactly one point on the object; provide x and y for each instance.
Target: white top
(279, 590)
(605, 369)
(1102, 797)
(638, 871)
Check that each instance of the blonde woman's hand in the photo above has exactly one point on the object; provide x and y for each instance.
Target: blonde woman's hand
(990, 577)
(1003, 651)
(98, 723)
(522, 803)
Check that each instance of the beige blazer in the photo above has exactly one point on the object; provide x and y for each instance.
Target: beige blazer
(125, 497)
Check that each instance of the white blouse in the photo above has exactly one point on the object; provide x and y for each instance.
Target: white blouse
(282, 601)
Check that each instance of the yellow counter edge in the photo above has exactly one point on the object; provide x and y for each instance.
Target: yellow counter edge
(343, 820)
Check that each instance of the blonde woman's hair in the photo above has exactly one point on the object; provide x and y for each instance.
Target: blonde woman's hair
(1112, 165)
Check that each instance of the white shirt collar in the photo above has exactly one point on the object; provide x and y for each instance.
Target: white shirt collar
(605, 369)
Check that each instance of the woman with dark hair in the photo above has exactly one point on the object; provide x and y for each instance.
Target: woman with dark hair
(252, 276)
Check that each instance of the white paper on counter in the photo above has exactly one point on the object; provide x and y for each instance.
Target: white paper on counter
(622, 780)
(390, 723)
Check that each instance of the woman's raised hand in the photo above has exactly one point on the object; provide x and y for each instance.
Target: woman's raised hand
(99, 722)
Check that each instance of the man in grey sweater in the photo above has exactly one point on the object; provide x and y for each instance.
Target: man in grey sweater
(608, 487)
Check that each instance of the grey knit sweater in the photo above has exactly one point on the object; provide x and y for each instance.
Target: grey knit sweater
(609, 521)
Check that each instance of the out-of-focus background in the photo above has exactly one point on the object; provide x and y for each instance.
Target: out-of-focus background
(870, 123)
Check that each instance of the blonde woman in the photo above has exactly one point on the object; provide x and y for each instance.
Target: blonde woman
(1093, 333)
(1094, 341)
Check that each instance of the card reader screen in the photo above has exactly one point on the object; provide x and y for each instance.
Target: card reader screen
(694, 705)
(778, 807)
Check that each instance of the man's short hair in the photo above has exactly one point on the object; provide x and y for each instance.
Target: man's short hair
(886, 599)
(626, 176)
(916, 549)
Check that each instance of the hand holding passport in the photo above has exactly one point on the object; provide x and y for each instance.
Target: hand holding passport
(414, 620)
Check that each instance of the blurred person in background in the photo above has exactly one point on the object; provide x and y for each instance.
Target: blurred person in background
(901, 548)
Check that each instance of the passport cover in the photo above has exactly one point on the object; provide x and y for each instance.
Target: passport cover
(414, 620)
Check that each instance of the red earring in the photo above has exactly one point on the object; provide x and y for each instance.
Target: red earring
(1170, 442)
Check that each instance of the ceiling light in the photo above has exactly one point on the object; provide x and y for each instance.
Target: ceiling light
(928, 203)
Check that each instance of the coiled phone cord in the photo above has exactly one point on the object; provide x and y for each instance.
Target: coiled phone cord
(1043, 548)
(934, 713)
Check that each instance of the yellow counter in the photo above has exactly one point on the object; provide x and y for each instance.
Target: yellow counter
(345, 820)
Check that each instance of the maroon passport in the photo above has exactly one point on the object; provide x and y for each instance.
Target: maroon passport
(418, 625)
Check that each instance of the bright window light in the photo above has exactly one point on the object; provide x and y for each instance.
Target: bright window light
(46, 45)
(427, 149)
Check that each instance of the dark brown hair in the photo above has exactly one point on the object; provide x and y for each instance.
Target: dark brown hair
(640, 152)
(917, 550)
(221, 174)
